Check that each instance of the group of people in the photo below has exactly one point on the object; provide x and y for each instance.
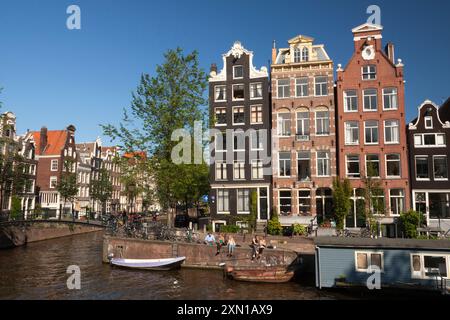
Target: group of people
(222, 241)
(258, 244)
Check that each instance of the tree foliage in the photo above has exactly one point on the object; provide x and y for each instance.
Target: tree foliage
(410, 221)
(274, 227)
(373, 196)
(101, 189)
(67, 185)
(342, 192)
(171, 99)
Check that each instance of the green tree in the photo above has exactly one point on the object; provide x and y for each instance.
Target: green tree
(274, 225)
(170, 100)
(16, 207)
(373, 196)
(101, 189)
(67, 186)
(342, 192)
(410, 221)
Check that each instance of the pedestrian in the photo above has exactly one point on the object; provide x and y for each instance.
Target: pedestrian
(262, 246)
(231, 245)
(124, 217)
(220, 243)
(255, 247)
(209, 239)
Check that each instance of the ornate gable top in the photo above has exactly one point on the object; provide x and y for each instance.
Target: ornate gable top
(300, 39)
(367, 27)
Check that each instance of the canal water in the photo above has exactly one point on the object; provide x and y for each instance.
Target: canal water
(38, 271)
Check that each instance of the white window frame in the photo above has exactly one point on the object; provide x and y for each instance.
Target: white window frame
(321, 84)
(365, 109)
(297, 85)
(232, 92)
(322, 119)
(378, 130)
(379, 164)
(216, 112)
(216, 140)
(256, 134)
(288, 86)
(399, 165)
(234, 147)
(346, 109)
(234, 71)
(215, 93)
(353, 176)
(368, 72)
(257, 108)
(233, 112)
(397, 197)
(425, 122)
(251, 91)
(53, 178)
(248, 202)
(421, 274)
(422, 140)
(258, 166)
(228, 200)
(303, 120)
(279, 198)
(52, 162)
(391, 99)
(328, 161)
(391, 127)
(348, 132)
(369, 260)
(434, 176)
(284, 161)
(221, 163)
(239, 166)
(280, 121)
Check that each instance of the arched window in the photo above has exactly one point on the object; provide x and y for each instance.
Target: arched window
(297, 55)
(305, 54)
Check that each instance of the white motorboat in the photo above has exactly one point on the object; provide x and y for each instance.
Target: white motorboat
(149, 264)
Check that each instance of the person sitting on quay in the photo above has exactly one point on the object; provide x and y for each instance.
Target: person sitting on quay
(209, 239)
(231, 246)
(220, 243)
(262, 246)
(255, 247)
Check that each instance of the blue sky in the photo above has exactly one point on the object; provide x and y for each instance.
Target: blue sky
(54, 76)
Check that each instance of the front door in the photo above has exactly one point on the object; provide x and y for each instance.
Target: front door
(263, 204)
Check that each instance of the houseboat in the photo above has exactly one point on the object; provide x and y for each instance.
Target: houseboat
(400, 263)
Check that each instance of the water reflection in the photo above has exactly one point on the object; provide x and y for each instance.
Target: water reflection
(38, 271)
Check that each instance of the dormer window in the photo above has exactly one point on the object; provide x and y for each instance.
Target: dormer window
(305, 54)
(238, 72)
(369, 72)
(297, 56)
(428, 123)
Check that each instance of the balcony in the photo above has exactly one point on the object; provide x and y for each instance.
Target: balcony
(301, 137)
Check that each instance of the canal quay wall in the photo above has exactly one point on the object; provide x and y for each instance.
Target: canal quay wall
(14, 235)
(201, 255)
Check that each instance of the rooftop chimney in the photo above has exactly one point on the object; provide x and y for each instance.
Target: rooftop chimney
(43, 140)
(274, 52)
(213, 68)
(389, 49)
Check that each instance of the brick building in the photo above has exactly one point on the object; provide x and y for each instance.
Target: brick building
(371, 122)
(304, 139)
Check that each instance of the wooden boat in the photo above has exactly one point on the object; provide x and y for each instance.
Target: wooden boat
(149, 264)
(269, 274)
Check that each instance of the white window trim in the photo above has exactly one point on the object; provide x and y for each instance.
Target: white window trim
(262, 114)
(346, 167)
(226, 170)
(425, 122)
(397, 197)
(398, 129)
(217, 202)
(378, 137)
(237, 201)
(234, 169)
(431, 145)
(53, 178)
(326, 83)
(232, 112)
(379, 166)
(369, 262)
(234, 134)
(364, 100)
(215, 113)
(362, 72)
(224, 100)
(345, 103)
(279, 127)
(439, 179)
(348, 143)
(317, 164)
(225, 146)
(316, 126)
(279, 167)
(250, 90)
(252, 135)
(422, 255)
(232, 92)
(299, 96)
(383, 94)
(234, 73)
(278, 92)
(386, 166)
(255, 161)
(51, 165)
(279, 198)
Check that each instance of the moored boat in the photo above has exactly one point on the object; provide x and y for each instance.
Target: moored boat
(269, 274)
(149, 264)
